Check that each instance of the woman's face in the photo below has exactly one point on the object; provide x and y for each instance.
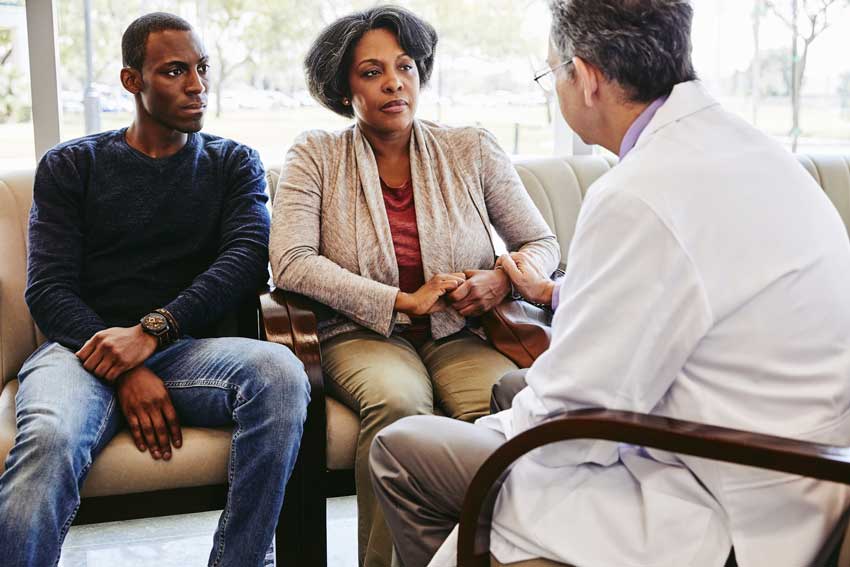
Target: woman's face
(384, 83)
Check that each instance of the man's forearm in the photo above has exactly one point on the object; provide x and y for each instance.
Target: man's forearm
(63, 317)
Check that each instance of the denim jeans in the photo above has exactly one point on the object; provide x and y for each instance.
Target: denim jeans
(66, 416)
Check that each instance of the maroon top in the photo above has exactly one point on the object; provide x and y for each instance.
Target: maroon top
(401, 213)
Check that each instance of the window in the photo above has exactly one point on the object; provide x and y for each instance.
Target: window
(486, 56)
(743, 51)
(485, 62)
(16, 133)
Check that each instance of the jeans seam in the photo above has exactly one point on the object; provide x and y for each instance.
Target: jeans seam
(223, 384)
(236, 431)
(83, 472)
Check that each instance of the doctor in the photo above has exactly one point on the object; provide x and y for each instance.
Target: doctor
(706, 281)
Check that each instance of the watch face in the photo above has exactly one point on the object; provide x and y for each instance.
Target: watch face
(154, 322)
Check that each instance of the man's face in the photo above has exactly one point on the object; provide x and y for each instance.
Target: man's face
(174, 80)
(570, 96)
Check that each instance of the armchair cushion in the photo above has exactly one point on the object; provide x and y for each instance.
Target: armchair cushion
(342, 430)
(123, 469)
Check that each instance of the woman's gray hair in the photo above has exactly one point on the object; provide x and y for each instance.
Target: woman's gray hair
(330, 57)
(642, 45)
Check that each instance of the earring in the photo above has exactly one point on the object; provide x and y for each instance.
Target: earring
(346, 102)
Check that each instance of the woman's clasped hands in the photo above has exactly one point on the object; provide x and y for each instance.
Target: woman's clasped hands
(429, 299)
(470, 293)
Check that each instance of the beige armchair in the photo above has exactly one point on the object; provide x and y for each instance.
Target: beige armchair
(123, 483)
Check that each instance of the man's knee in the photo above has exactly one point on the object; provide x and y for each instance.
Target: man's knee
(49, 449)
(392, 444)
(506, 388)
(276, 374)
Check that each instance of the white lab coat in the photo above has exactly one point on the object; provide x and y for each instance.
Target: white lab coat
(707, 281)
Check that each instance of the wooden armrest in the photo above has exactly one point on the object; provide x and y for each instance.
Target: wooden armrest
(825, 462)
(290, 319)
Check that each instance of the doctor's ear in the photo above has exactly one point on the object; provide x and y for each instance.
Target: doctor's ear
(588, 77)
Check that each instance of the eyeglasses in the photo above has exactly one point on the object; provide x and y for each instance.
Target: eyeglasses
(546, 79)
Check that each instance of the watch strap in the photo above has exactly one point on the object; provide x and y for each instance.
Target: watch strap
(173, 327)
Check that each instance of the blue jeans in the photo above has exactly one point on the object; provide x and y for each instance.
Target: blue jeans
(66, 416)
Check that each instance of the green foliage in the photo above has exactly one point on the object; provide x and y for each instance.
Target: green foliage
(263, 42)
(14, 106)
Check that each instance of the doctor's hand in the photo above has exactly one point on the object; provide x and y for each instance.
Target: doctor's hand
(481, 292)
(149, 412)
(528, 279)
(112, 352)
(428, 298)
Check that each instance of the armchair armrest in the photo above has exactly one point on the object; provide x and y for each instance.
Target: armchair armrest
(825, 462)
(291, 319)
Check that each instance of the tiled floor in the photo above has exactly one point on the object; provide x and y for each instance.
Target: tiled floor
(185, 541)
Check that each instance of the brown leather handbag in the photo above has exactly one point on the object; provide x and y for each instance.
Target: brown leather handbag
(519, 330)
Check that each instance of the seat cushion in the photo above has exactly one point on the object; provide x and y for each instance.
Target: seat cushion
(343, 428)
(122, 469)
(342, 431)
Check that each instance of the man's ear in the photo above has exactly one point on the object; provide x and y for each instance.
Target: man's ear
(588, 78)
(131, 79)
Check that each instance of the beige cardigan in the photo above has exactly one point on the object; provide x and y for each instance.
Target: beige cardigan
(331, 239)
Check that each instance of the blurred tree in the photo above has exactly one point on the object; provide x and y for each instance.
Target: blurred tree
(14, 106)
(806, 19)
(844, 94)
(225, 22)
(774, 76)
(263, 42)
(758, 13)
(109, 19)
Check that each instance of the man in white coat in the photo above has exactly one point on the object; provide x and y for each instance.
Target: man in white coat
(706, 281)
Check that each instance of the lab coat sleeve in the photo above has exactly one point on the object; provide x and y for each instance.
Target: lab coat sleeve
(632, 309)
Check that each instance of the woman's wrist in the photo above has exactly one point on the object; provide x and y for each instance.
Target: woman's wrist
(402, 302)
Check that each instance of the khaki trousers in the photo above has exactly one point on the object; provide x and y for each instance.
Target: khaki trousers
(384, 379)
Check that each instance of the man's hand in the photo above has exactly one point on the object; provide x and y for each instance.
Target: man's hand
(481, 292)
(112, 352)
(149, 412)
(428, 298)
(527, 278)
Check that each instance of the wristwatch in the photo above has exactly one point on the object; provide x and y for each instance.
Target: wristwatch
(156, 324)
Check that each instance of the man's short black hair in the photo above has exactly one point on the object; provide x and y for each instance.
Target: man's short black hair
(330, 57)
(136, 35)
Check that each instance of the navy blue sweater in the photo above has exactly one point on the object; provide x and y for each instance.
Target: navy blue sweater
(114, 234)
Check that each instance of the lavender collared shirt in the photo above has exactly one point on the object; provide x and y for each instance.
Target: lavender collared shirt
(629, 141)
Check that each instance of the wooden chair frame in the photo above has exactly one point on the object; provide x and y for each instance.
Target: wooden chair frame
(291, 319)
(781, 454)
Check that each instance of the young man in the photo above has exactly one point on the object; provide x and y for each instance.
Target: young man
(706, 281)
(141, 239)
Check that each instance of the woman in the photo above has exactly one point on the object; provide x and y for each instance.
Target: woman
(387, 222)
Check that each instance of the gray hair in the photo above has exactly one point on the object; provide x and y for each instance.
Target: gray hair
(329, 58)
(642, 45)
